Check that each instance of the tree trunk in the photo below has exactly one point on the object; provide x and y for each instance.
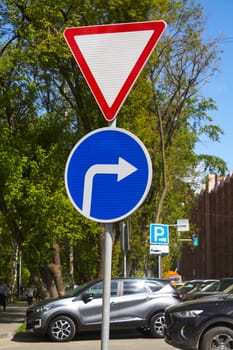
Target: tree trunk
(14, 272)
(41, 290)
(71, 261)
(48, 280)
(56, 269)
(164, 168)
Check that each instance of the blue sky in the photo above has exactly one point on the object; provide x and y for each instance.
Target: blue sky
(219, 24)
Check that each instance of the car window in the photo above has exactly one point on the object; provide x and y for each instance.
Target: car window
(97, 289)
(78, 290)
(133, 287)
(223, 284)
(114, 285)
(154, 286)
(210, 287)
(229, 289)
(187, 287)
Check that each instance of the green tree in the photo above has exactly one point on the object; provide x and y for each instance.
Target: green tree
(46, 107)
(172, 116)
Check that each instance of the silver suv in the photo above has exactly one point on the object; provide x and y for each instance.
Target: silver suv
(134, 303)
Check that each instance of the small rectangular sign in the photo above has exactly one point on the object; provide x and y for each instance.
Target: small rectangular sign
(182, 225)
(159, 249)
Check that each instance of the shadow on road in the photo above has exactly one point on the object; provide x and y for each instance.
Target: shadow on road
(30, 337)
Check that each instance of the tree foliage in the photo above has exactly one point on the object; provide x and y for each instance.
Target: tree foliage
(46, 107)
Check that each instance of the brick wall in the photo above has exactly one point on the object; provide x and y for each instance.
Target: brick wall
(213, 217)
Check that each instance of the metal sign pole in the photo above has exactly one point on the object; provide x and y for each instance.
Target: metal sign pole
(107, 287)
(107, 279)
(124, 262)
(159, 265)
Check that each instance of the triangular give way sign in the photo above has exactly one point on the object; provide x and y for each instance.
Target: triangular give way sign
(111, 57)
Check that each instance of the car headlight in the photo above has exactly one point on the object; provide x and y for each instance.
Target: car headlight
(43, 308)
(188, 313)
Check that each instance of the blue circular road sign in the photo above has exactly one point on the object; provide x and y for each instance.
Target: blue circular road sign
(108, 174)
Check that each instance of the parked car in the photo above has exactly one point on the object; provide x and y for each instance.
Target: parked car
(192, 285)
(199, 291)
(224, 285)
(135, 303)
(202, 324)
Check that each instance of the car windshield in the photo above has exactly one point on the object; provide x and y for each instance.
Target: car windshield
(187, 286)
(76, 291)
(210, 287)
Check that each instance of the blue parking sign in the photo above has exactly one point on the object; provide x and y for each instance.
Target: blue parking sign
(159, 234)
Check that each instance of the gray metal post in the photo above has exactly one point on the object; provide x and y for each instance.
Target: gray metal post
(107, 279)
(125, 273)
(159, 265)
(107, 287)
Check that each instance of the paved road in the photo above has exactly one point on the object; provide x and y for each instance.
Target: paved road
(89, 342)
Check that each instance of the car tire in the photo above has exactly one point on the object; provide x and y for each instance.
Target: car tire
(62, 329)
(157, 324)
(217, 338)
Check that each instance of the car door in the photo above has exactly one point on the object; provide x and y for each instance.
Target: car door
(131, 304)
(91, 312)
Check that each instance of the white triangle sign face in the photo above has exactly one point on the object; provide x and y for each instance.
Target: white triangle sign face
(111, 57)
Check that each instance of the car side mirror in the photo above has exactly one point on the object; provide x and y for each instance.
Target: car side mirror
(87, 297)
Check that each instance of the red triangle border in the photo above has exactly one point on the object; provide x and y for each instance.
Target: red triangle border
(110, 112)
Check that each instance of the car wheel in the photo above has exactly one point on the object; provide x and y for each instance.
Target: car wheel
(61, 329)
(157, 324)
(218, 338)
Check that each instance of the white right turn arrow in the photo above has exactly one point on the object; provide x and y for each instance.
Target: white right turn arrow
(122, 169)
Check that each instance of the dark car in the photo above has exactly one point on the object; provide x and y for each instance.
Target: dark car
(198, 292)
(224, 285)
(202, 324)
(194, 285)
(134, 303)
